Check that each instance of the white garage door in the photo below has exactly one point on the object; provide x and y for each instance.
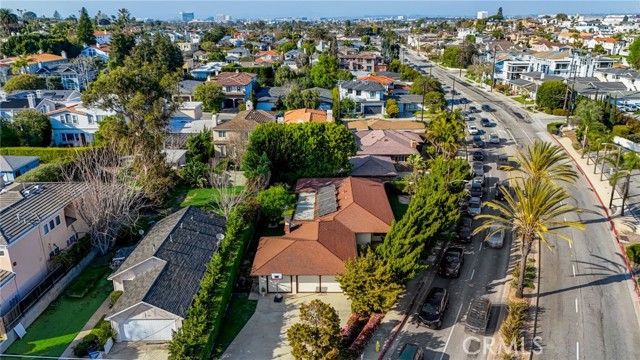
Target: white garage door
(329, 284)
(283, 286)
(308, 283)
(136, 330)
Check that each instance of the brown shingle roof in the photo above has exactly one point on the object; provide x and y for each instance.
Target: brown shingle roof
(234, 78)
(304, 115)
(247, 120)
(387, 142)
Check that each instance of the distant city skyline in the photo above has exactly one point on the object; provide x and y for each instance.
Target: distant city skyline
(241, 9)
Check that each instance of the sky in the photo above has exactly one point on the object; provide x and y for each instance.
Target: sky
(267, 9)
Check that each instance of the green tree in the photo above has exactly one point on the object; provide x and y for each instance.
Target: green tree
(434, 101)
(289, 45)
(450, 57)
(8, 21)
(284, 74)
(85, 28)
(392, 108)
(562, 17)
(33, 128)
(200, 146)
(111, 130)
(274, 200)
(119, 48)
(366, 39)
(368, 282)
(470, 38)
(214, 35)
(24, 82)
(325, 73)
(544, 161)
(444, 133)
(53, 83)
(8, 134)
(497, 33)
(297, 99)
(425, 84)
(634, 54)
(599, 49)
(588, 111)
(317, 336)
(124, 18)
(195, 173)
(211, 95)
(499, 15)
(551, 94)
(347, 106)
(166, 53)
(335, 92)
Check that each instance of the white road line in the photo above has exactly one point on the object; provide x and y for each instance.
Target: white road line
(574, 270)
(577, 351)
(450, 334)
(576, 304)
(569, 245)
(472, 273)
(512, 137)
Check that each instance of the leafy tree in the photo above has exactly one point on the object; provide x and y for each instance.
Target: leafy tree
(444, 133)
(216, 55)
(335, 92)
(274, 200)
(499, 15)
(53, 83)
(588, 111)
(392, 108)
(300, 150)
(325, 73)
(111, 130)
(24, 82)
(8, 134)
(211, 95)
(562, 17)
(450, 57)
(394, 65)
(366, 39)
(289, 45)
(284, 74)
(425, 84)
(85, 29)
(33, 128)
(297, 99)
(214, 35)
(200, 146)
(119, 48)
(56, 15)
(551, 94)
(470, 38)
(634, 54)
(368, 281)
(347, 106)
(124, 18)
(8, 21)
(34, 43)
(434, 101)
(195, 173)
(166, 53)
(599, 49)
(317, 336)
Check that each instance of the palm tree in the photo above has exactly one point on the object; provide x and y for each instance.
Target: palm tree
(624, 165)
(444, 133)
(531, 212)
(8, 21)
(544, 162)
(124, 17)
(19, 65)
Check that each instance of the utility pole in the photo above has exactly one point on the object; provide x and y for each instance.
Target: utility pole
(424, 91)
(569, 101)
(493, 70)
(453, 93)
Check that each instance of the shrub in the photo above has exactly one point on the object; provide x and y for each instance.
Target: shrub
(512, 326)
(51, 172)
(103, 332)
(529, 276)
(88, 344)
(353, 327)
(621, 130)
(553, 127)
(560, 112)
(633, 253)
(47, 155)
(114, 296)
(365, 335)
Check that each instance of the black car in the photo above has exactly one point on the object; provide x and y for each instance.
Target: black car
(486, 107)
(464, 101)
(465, 228)
(471, 118)
(478, 156)
(473, 109)
(485, 122)
(499, 189)
(476, 189)
(478, 142)
(433, 308)
(451, 262)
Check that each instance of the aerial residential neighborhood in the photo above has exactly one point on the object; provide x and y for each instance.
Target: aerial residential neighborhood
(306, 180)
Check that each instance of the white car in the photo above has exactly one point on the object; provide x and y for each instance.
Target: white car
(473, 130)
(494, 138)
(475, 206)
(496, 240)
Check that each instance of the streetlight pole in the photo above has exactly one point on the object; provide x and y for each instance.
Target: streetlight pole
(493, 70)
(453, 93)
(424, 92)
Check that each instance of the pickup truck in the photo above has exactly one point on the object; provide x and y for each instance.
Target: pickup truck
(451, 262)
(477, 317)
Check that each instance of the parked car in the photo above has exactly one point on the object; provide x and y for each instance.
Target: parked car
(470, 118)
(486, 107)
(433, 308)
(480, 179)
(485, 122)
(475, 206)
(478, 168)
(478, 315)
(494, 138)
(503, 161)
(476, 189)
(478, 142)
(411, 352)
(464, 101)
(451, 262)
(495, 239)
(473, 109)
(501, 188)
(478, 155)
(465, 228)
(473, 130)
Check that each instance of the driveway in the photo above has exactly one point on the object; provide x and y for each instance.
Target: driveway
(265, 335)
(138, 350)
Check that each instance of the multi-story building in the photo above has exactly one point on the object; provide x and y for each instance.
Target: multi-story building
(366, 61)
(237, 87)
(75, 125)
(368, 95)
(71, 76)
(102, 37)
(187, 16)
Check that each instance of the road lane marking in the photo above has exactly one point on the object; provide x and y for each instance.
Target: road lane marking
(450, 333)
(569, 245)
(565, 219)
(512, 137)
(576, 304)
(472, 273)
(574, 270)
(577, 350)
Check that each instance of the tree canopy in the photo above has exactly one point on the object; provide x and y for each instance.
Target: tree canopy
(85, 29)
(297, 99)
(24, 82)
(33, 128)
(317, 336)
(274, 200)
(634, 54)
(325, 73)
(551, 94)
(211, 95)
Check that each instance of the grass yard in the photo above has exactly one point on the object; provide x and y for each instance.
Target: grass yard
(203, 198)
(238, 314)
(398, 208)
(59, 324)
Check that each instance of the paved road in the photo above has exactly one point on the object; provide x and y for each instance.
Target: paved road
(604, 326)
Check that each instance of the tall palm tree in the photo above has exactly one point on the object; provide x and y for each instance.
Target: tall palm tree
(624, 165)
(444, 132)
(8, 21)
(544, 162)
(533, 211)
(19, 65)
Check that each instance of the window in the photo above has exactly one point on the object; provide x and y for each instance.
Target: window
(75, 119)
(90, 119)
(99, 118)
(223, 151)
(46, 229)
(57, 220)
(222, 134)
(358, 92)
(1, 253)
(67, 119)
(52, 225)
(372, 94)
(350, 91)
(72, 240)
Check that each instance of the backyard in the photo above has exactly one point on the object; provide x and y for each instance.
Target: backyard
(203, 197)
(59, 324)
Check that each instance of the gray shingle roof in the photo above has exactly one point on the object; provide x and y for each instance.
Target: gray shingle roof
(362, 85)
(19, 213)
(13, 163)
(188, 86)
(184, 241)
(5, 276)
(370, 165)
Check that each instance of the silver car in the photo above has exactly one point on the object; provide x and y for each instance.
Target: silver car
(496, 240)
(494, 139)
(475, 206)
(478, 168)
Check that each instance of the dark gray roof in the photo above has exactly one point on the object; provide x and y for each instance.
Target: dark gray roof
(408, 99)
(20, 212)
(536, 75)
(13, 163)
(362, 85)
(372, 166)
(14, 104)
(55, 95)
(188, 86)
(393, 75)
(184, 241)
(325, 94)
(271, 94)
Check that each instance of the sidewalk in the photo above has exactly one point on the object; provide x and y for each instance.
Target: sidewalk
(86, 329)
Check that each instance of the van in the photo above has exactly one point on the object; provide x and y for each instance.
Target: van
(411, 352)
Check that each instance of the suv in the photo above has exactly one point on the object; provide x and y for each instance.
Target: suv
(478, 315)
(503, 161)
(487, 108)
(476, 189)
(499, 189)
(485, 122)
(473, 109)
(478, 155)
(451, 262)
(465, 228)
(411, 352)
(433, 308)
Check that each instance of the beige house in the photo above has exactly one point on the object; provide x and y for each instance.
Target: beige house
(230, 135)
(37, 221)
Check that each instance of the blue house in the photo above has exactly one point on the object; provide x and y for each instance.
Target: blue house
(236, 86)
(13, 166)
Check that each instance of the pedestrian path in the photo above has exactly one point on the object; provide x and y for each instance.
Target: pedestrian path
(86, 329)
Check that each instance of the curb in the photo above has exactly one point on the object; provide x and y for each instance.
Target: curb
(606, 212)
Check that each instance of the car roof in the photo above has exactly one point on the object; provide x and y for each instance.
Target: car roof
(436, 293)
(408, 351)
(475, 199)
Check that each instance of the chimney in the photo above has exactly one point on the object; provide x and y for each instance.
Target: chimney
(541, 76)
(287, 224)
(38, 94)
(414, 144)
(32, 101)
(63, 54)
(329, 115)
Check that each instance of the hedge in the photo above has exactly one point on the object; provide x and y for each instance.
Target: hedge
(47, 155)
(195, 339)
(51, 172)
(553, 127)
(633, 253)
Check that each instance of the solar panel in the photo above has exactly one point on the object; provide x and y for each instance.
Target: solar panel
(327, 202)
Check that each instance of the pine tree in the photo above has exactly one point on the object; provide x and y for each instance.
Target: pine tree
(317, 336)
(85, 29)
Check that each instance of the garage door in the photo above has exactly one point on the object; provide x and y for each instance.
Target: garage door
(136, 330)
(373, 110)
(329, 284)
(307, 283)
(283, 286)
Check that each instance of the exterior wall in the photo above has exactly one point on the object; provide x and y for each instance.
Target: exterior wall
(82, 125)
(142, 312)
(10, 176)
(363, 239)
(118, 281)
(362, 97)
(8, 293)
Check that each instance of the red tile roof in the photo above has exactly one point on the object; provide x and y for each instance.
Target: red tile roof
(384, 80)
(234, 78)
(305, 115)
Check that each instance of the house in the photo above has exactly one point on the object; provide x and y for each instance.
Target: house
(35, 62)
(365, 61)
(188, 48)
(385, 81)
(40, 100)
(200, 55)
(176, 158)
(75, 125)
(398, 145)
(292, 55)
(37, 221)
(187, 111)
(71, 77)
(546, 45)
(13, 166)
(368, 95)
(99, 51)
(102, 37)
(609, 44)
(160, 278)
(239, 53)
(235, 132)
(268, 56)
(305, 115)
(326, 98)
(382, 124)
(203, 72)
(332, 218)
(237, 87)
(186, 88)
(408, 103)
(371, 166)
(269, 98)
(630, 78)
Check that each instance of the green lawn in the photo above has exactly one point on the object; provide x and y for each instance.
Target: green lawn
(59, 324)
(239, 312)
(203, 197)
(398, 209)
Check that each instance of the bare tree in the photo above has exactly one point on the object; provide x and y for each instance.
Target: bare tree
(228, 194)
(110, 199)
(237, 147)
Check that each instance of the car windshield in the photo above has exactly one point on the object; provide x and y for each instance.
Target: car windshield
(430, 309)
(452, 259)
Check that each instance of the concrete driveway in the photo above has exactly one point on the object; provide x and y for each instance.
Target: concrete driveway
(138, 350)
(265, 335)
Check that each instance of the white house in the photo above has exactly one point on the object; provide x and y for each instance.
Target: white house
(75, 125)
(368, 95)
(101, 51)
(102, 37)
(611, 45)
